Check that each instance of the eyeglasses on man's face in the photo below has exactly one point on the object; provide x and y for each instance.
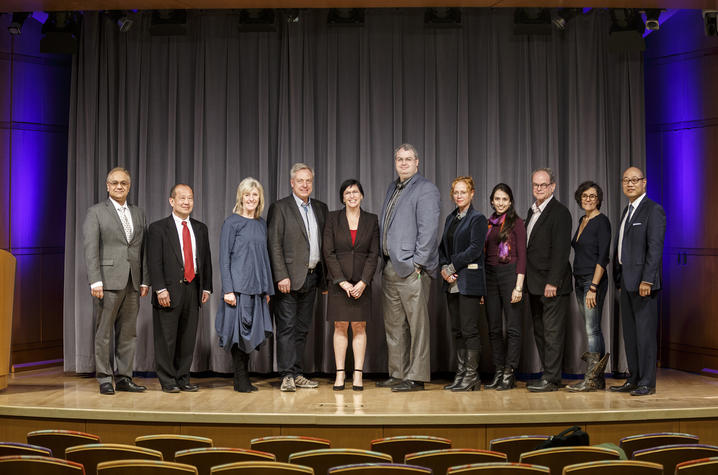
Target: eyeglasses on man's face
(633, 181)
(541, 186)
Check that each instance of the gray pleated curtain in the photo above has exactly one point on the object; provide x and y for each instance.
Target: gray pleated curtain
(215, 106)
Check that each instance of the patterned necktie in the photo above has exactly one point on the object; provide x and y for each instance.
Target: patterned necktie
(187, 251)
(305, 207)
(126, 224)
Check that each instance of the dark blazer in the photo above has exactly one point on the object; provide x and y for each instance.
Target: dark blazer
(642, 247)
(108, 255)
(287, 240)
(548, 250)
(165, 258)
(349, 262)
(468, 256)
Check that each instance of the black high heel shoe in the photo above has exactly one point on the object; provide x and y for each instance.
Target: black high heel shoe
(340, 388)
(357, 388)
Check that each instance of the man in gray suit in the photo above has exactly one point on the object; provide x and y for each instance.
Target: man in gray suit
(295, 225)
(409, 226)
(118, 274)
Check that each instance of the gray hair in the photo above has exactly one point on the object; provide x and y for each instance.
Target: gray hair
(118, 169)
(547, 171)
(408, 148)
(299, 166)
(244, 186)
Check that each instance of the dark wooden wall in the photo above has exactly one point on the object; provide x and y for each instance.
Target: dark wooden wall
(682, 150)
(34, 108)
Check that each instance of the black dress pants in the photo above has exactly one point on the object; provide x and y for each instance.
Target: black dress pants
(500, 283)
(549, 319)
(293, 313)
(464, 311)
(639, 317)
(175, 333)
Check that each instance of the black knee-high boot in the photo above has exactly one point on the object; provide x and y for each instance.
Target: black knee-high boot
(240, 361)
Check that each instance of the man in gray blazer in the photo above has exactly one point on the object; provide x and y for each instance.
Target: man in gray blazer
(409, 230)
(118, 274)
(295, 225)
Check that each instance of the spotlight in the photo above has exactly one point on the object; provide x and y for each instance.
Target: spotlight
(710, 22)
(257, 20)
(345, 17)
(532, 21)
(442, 17)
(292, 15)
(123, 20)
(61, 30)
(168, 23)
(18, 19)
(563, 16)
(652, 18)
(627, 30)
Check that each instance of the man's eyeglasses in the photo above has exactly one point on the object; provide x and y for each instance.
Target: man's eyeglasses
(115, 183)
(632, 181)
(541, 186)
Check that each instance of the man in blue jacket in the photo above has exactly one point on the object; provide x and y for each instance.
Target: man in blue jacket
(409, 228)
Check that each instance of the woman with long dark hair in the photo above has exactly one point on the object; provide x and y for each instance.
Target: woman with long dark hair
(505, 271)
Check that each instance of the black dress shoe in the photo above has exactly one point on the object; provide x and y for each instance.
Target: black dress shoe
(170, 389)
(408, 385)
(543, 386)
(643, 391)
(106, 388)
(626, 387)
(388, 383)
(190, 388)
(129, 386)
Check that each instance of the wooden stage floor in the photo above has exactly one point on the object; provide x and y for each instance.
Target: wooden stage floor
(50, 399)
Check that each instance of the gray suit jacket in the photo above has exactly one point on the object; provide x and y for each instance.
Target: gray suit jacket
(287, 240)
(413, 232)
(108, 255)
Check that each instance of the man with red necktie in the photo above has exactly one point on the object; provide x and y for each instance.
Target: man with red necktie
(181, 274)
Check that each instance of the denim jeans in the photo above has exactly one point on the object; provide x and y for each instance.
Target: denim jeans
(592, 316)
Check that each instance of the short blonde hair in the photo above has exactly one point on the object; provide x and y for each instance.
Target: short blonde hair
(245, 186)
(466, 180)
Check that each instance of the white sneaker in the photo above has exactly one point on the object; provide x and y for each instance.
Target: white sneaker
(303, 382)
(288, 385)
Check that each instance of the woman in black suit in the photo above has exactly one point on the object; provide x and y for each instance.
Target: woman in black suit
(461, 257)
(351, 251)
(591, 246)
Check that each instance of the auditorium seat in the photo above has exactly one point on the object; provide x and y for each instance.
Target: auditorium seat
(18, 448)
(261, 468)
(614, 467)
(90, 455)
(646, 441)
(558, 457)
(205, 458)
(168, 444)
(379, 469)
(706, 466)
(144, 467)
(38, 465)
(498, 468)
(401, 445)
(58, 440)
(671, 455)
(322, 460)
(439, 461)
(513, 446)
(282, 446)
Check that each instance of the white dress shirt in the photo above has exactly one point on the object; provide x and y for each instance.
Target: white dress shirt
(635, 204)
(537, 210)
(312, 229)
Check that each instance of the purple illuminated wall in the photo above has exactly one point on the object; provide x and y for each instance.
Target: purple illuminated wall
(34, 109)
(681, 143)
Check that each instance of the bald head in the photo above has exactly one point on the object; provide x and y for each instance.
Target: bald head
(634, 183)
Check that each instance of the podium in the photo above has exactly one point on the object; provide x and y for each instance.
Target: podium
(7, 293)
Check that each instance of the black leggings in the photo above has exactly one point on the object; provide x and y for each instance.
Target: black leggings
(500, 283)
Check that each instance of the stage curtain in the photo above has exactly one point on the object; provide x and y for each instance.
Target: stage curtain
(217, 105)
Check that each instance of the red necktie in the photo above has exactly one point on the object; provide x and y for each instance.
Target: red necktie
(187, 251)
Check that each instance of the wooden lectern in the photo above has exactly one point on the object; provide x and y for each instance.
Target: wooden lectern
(7, 292)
